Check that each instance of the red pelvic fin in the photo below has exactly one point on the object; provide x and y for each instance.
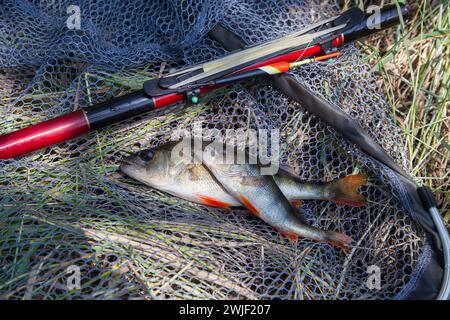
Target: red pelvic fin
(296, 203)
(249, 205)
(290, 235)
(345, 190)
(209, 201)
(293, 237)
(339, 240)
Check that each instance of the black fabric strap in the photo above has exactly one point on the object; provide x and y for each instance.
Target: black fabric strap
(429, 284)
(226, 38)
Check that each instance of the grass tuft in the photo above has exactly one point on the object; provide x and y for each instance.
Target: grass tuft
(413, 61)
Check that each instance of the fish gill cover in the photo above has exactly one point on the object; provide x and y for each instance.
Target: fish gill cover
(67, 212)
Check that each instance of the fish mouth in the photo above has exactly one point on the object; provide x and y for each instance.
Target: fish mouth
(126, 165)
(127, 160)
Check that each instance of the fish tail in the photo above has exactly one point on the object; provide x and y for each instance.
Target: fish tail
(338, 239)
(345, 190)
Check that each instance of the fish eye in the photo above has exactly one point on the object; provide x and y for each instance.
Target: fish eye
(146, 155)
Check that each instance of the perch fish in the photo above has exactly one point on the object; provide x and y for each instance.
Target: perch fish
(194, 182)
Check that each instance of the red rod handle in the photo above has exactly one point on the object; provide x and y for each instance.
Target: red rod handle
(43, 134)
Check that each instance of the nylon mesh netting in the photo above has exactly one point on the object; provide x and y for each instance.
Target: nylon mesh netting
(69, 206)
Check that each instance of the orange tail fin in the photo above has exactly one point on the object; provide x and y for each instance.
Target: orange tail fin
(339, 240)
(345, 190)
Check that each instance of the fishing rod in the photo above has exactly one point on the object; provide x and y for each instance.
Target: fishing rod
(315, 43)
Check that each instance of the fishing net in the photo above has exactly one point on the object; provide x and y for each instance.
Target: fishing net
(67, 211)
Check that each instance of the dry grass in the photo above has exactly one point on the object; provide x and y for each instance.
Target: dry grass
(413, 61)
